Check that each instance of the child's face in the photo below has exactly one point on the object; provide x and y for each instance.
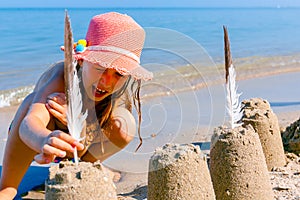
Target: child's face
(100, 82)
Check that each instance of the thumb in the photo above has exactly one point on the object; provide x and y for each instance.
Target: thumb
(43, 158)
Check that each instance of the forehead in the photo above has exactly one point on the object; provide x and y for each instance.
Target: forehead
(89, 64)
(98, 67)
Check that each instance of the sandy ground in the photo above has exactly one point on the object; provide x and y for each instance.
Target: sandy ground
(285, 180)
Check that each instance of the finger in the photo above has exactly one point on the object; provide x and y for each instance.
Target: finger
(61, 97)
(43, 158)
(60, 144)
(68, 138)
(60, 108)
(58, 97)
(50, 150)
(52, 96)
(53, 111)
(57, 115)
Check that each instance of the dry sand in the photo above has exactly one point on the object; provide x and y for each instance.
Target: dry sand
(258, 113)
(179, 171)
(285, 180)
(79, 182)
(236, 163)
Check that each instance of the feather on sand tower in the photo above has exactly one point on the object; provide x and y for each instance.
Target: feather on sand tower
(75, 118)
(237, 164)
(77, 181)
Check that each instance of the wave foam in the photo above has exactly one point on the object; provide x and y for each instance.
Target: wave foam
(14, 96)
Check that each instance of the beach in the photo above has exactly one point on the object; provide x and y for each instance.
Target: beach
(133, 182)
(186, 99)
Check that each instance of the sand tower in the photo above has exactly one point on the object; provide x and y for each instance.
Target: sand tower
(291, 137)
(259, 114)
(83, 182)
(237, 165)
(179, 171)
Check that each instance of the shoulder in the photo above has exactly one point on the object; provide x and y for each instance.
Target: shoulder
(125, 119)
(54, 73)
(57, 67)
(51, 81)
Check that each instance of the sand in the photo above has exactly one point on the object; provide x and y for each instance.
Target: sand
(291, 137)
(237, 165)
(258, 114)
(179, 171)
(284, 180)
(79, 182)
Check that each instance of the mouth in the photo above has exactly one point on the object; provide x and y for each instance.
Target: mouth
(98, 92)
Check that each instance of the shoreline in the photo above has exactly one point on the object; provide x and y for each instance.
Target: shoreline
(191, 77)
(197, 77)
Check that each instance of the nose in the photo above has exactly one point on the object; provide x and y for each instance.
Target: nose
(106, 80)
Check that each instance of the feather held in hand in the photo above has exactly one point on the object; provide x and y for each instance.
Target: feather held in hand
(233, 105)
(75, 118)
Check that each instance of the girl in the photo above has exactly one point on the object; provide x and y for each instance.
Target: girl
(107, 62)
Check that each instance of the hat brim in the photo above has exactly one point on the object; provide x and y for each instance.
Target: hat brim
(121, 63)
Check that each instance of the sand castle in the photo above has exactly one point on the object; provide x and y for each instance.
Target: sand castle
(237, 166)
(237, 163)
(179, 172)
(83, 182)
(291, 137)
(258, 113)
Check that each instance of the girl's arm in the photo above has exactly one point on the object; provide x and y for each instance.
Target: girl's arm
(119, 132)
(34, 129)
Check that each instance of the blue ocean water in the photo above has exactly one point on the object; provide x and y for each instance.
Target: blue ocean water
(31, 38)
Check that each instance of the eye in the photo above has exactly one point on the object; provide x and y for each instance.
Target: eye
(100, 69)
(118, 74)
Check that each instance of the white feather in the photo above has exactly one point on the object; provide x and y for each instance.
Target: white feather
(75, 117)
(233, 107)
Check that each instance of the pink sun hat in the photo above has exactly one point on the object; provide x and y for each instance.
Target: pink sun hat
(115, 41)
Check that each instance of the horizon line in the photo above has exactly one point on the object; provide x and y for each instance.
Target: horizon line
(157, 7)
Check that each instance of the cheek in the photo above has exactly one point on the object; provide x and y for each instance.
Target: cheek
(87, 81)
(84, 82)
(88, 76)
(119, 84)
(84, 78)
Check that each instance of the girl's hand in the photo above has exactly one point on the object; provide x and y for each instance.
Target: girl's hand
(57, 144)
(57, 106)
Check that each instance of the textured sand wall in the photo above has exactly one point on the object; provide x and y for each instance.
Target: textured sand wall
(291, 137)
(258, 113)
(237, 165)
(179, 172)
(83, 182)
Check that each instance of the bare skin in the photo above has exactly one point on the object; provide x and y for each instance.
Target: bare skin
(32, 134)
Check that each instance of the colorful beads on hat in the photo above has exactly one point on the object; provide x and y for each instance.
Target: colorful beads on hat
(82, 42)
(80, 46)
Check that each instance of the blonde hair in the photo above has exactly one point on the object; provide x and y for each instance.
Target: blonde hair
(105, 108)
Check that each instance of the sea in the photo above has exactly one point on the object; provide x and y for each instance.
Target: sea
(175, 37)
(180, 42)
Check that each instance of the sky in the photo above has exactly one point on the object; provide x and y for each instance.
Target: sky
(146, 3)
